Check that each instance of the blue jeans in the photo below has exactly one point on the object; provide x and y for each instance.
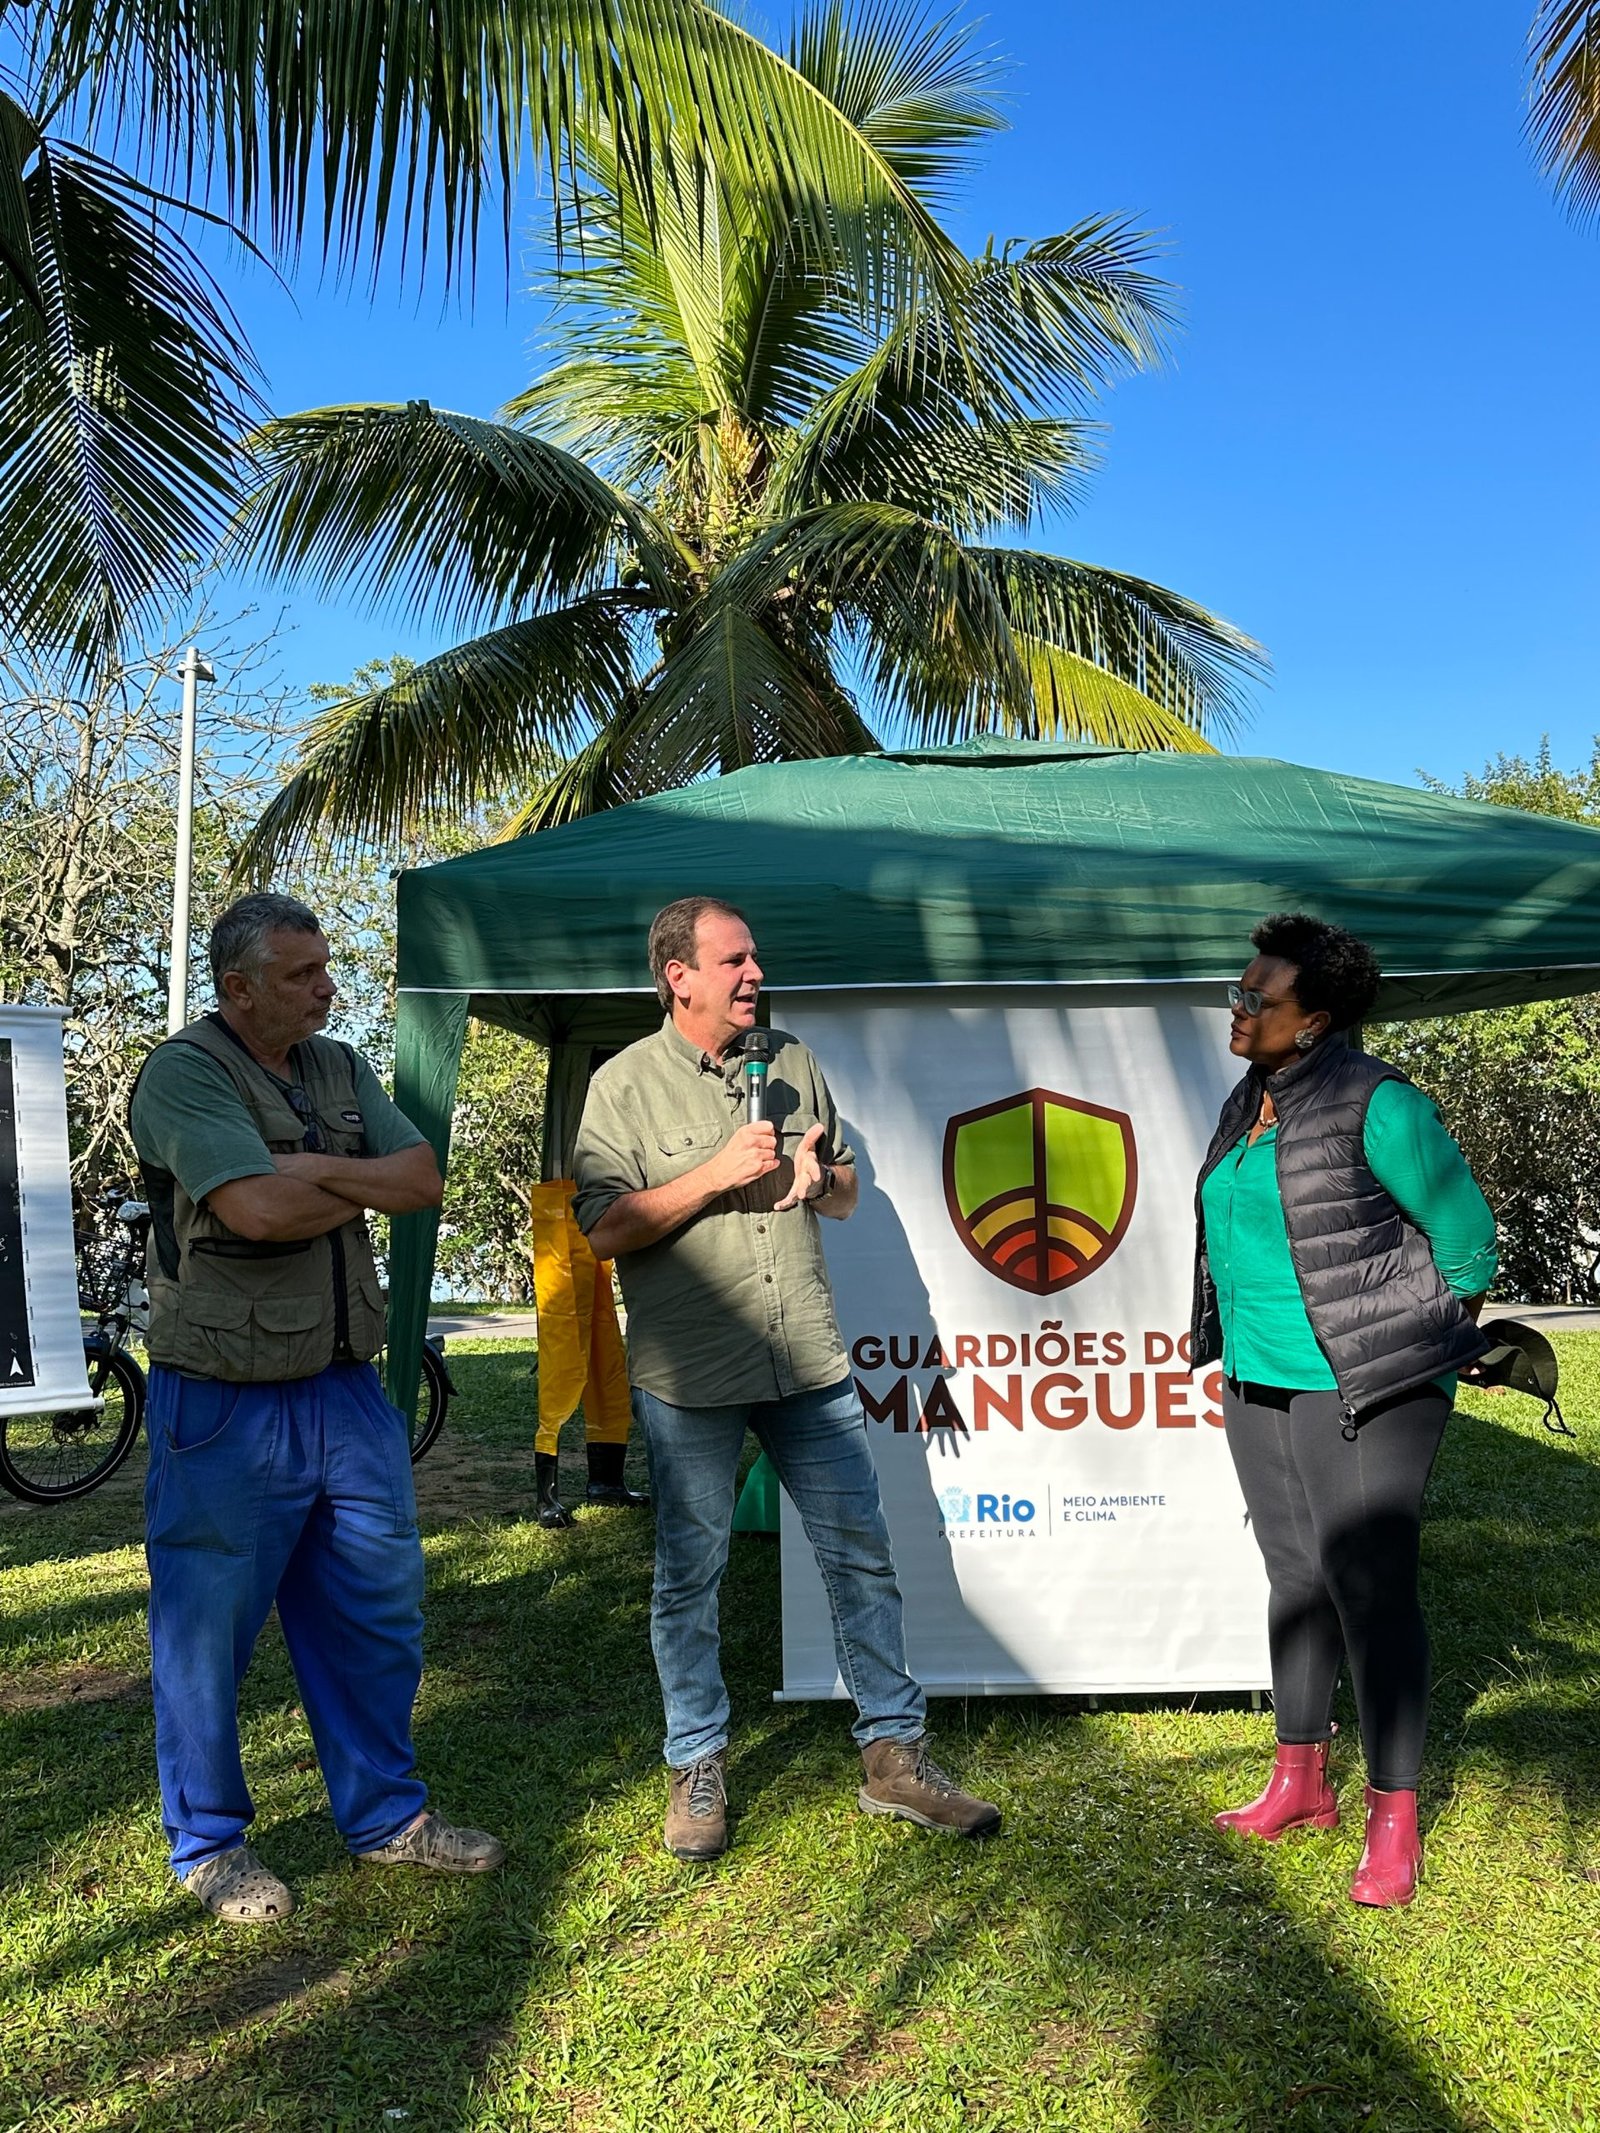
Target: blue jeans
(298, 1493)
(818, 1443)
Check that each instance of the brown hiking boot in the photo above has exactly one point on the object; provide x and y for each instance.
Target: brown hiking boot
(697, 1809)
(904, 1780)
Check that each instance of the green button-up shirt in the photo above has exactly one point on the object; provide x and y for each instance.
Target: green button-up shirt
(734, 1306)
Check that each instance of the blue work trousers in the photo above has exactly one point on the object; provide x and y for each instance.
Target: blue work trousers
(298, 1493)
(818, 1443)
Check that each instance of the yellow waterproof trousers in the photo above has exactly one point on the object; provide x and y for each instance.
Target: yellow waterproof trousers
(580, 1343)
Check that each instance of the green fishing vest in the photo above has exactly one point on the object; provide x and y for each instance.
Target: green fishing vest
(248, 1312)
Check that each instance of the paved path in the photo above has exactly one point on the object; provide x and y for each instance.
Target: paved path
(1552, 1318)
(486, 1325)
(521, 1325)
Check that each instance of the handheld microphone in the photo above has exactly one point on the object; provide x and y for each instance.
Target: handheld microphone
(757, 1058)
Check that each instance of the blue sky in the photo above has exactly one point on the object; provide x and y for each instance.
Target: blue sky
(1376, 446)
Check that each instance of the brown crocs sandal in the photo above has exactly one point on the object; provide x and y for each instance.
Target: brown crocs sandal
(236, 1886)
(433, 1843)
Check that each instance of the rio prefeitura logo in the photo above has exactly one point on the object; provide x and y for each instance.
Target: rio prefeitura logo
(1040, 1187)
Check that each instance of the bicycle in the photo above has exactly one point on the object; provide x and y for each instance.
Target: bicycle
(434, 1395)
(55, 1457)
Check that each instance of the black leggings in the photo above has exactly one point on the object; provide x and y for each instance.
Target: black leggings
(1339, 1526)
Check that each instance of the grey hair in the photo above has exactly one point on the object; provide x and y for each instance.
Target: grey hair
(239, 937)
(672, 937)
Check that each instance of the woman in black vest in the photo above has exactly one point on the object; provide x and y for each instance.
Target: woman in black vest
(1344, 1252)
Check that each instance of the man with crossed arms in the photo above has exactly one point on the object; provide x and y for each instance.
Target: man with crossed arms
(279, 1473)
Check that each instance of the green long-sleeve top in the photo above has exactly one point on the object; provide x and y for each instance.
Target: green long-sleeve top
(1266, 1335)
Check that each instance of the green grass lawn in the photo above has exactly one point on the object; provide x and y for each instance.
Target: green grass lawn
(1108, 1963)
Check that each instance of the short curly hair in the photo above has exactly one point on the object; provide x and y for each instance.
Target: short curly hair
(1335, 974)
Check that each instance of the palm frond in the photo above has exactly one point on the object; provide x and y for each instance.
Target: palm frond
(958, 637)
(964, 420)
(772, 135)
(1065, 314)
(916, 442)
(720, 272)
(1564, 99)
(732, 691)
(470, 519)
(464, 727)
(910, 81)
(916, 85)
(1184, 659)
(907, 582)
(411, 116)
(795, 335)
(588, 783)
(629, 409)
(19, 142)
(123, 395)
(1075, 700)
(731, 694)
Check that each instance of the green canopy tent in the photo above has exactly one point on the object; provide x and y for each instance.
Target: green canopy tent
(995, 863)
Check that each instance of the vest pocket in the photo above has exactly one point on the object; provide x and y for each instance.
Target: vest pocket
(213, 1335)
(369, 1312)
(280, 1337)
(251, 1340)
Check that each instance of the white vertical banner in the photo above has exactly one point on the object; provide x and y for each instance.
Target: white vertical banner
(41, 1334)
(1014, 1291)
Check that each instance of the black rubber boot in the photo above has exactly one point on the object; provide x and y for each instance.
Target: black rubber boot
(546, 1471)
(606, 1485)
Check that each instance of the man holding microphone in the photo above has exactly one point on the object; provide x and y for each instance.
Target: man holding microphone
(708, 1202)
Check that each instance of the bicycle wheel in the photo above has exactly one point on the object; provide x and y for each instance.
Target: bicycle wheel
(52, 1458)
(432, 1400)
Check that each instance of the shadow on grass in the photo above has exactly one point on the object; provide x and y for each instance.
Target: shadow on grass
(1111, 1959)
(87, 1526)
(1509, 1587)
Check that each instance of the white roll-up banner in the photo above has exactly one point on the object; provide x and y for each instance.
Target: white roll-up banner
(41, 1334)
(1014, 1291)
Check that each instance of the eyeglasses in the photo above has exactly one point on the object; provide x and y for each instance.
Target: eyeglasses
(1251, 1000)
(300, 1105)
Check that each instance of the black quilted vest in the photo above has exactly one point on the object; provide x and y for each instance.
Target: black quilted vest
(1381, 1312)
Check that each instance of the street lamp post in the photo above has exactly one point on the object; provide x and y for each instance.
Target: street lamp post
(193, 671)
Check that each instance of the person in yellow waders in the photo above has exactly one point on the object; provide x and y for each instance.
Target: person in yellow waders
(581, 1357)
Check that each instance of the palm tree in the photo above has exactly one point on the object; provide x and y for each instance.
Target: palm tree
(125, 381)
(737, 494)
(1564, 118)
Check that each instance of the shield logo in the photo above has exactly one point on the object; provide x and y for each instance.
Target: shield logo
(1040, 1187)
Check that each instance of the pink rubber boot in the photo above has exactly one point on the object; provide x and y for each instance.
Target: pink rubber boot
(1391, 1863)
(1298, 1796)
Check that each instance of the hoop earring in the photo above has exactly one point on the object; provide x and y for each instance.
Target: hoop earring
(1303, 1040)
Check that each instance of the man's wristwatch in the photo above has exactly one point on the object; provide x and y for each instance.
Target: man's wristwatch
(826, 1186)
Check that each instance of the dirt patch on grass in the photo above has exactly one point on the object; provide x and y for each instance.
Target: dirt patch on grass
(1063, 2044)
(871, 2060)
(490, 2042)
(272, 1988)
(53, 1688)
(115, 1500)
(587, 2110)
(460, 1479)
(861, 2055)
